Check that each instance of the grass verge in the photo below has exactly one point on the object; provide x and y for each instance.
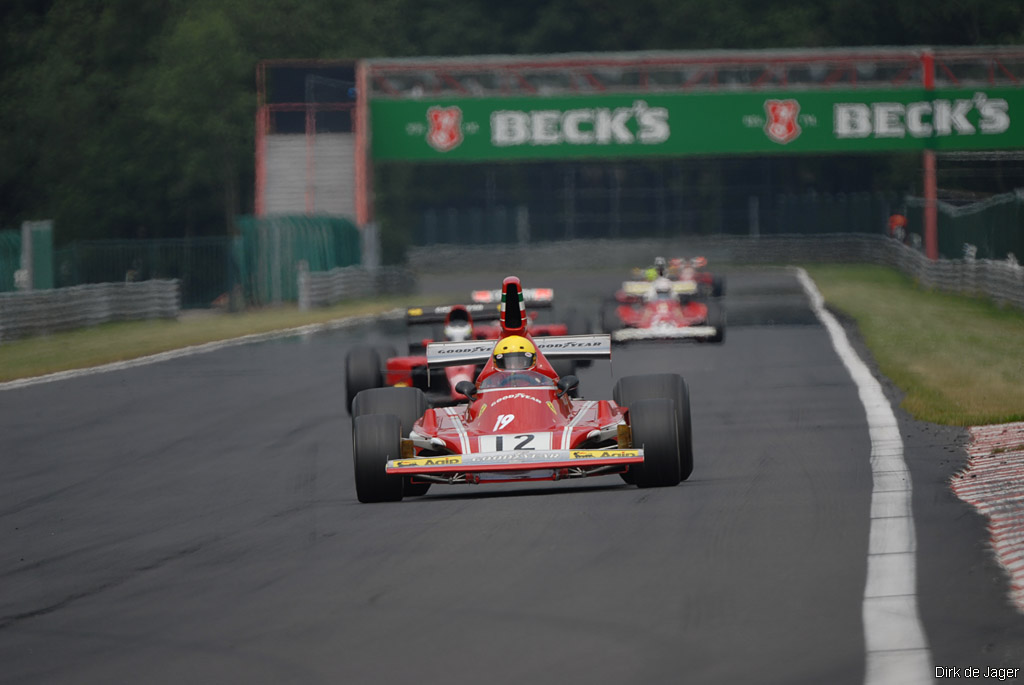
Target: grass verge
(959, 360)
(113, 342)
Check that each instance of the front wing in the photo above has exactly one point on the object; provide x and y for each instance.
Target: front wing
(684, 332)
(532, 464)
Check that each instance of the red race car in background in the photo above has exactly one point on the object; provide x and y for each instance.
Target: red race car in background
(374, 366)
(517, 420)
(662, 309)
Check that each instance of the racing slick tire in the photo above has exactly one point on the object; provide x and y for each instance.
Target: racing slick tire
(408, 404)
(362, 371)
(653, 423)
(376, 438)
(632, 389)
(566, 367)
(610, 321)
(716, 318)
(717, 286)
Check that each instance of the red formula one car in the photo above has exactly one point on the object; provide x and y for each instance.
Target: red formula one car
(662, 309)
(378, 366)
(708, 285)
(518, 421)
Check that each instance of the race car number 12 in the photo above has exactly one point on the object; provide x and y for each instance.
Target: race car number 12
(523, 441)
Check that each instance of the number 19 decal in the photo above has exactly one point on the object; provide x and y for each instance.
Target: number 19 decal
(503, 420)
(522, 441)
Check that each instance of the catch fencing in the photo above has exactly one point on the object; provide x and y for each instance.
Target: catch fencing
(202, 266)
(1001, 280)
(24, 314)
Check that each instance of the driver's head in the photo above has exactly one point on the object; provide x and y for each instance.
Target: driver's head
(515, 353)
(662, 289)
(659, 265)
(458, 327)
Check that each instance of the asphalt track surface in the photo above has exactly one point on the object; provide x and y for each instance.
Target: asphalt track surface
(195, 521)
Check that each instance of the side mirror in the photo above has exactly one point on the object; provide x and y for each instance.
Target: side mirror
(467, 388)
(566, 384)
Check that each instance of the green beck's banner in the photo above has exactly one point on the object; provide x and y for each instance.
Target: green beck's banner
(677, 125)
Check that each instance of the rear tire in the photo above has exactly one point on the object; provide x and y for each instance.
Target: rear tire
(610, 321)
(632, 389)
(362, 371)
(564, 367)
(653, 423)
(376, 438)
(717, 286)
(578, 324)
(408, 404)
(716, 318)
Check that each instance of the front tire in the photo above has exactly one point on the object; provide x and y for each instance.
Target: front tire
(408, 404)
(632, 389)
(653, 423)
(376, 438)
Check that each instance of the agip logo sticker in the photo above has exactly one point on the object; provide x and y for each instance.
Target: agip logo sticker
(428, 461)
(445, 131)
(781, 124)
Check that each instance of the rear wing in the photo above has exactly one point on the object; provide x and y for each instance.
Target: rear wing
(437, 314)
(537, 297)
(638, 288)
(553, 347)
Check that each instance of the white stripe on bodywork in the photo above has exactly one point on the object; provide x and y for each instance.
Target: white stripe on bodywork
(897, 650)
(567, 431)
(456, 415)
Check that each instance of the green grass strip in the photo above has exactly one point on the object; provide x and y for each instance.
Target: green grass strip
(958, 359)
(121, 341)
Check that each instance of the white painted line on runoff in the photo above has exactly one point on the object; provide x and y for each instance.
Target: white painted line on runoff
(897, 650)
(198, 349)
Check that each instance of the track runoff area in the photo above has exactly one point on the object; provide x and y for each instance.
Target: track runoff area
(791, 555)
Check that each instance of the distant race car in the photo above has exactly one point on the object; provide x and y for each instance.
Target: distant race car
(662, 309)
(682, 269)
(518, 422)
(377, 366)
(685, 269)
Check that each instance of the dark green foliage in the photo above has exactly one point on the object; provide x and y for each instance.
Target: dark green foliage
(126, 119)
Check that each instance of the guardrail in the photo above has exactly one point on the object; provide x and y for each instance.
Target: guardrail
(1003, 281)
(324, 288)
(46, 311)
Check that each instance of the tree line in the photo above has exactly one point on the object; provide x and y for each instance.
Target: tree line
(128, 119)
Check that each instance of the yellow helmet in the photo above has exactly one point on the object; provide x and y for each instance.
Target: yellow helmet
(515, 353)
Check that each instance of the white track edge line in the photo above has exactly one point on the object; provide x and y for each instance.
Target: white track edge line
(203, 348)
(894, 639)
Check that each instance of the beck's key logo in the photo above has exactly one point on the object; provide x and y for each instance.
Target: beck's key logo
(781, 125)
(445, 128)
